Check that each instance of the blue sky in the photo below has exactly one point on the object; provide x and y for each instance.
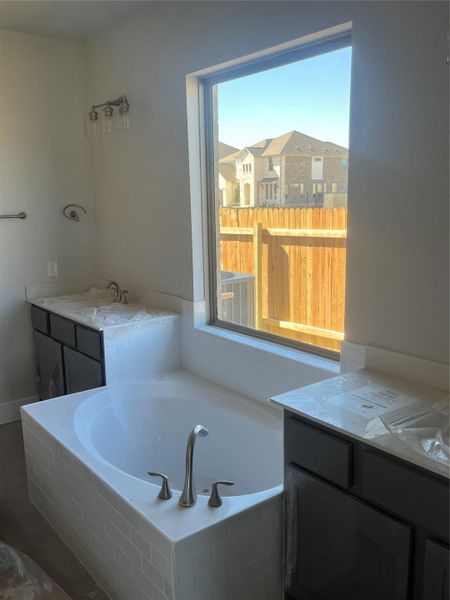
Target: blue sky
(311, 96)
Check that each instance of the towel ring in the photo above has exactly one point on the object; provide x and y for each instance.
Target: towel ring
(72, 215)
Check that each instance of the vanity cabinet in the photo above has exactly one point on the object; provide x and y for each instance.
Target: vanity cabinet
(360, 524)
(69, 356)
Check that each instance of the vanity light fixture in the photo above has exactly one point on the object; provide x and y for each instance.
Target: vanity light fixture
(109, 117)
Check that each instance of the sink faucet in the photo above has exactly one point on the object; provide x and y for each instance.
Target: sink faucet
(112, 285)
(189, 495)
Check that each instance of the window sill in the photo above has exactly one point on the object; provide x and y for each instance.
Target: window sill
(270, 351)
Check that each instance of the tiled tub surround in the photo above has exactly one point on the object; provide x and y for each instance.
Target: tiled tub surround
(96, 497)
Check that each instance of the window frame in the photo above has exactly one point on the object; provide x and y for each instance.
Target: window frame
(206, 85)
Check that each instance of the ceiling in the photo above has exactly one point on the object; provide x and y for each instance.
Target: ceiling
(70, 19)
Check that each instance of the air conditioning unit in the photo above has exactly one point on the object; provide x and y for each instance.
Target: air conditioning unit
(236, 302)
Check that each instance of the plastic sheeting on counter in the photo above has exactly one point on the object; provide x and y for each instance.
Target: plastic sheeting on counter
(403, 418)
(424, 429)
(96, 308)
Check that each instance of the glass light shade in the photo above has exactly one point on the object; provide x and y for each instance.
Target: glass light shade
(90, 127)
(107, 123)
(123, 120)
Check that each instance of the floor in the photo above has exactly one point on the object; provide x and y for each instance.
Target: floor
(22, 526)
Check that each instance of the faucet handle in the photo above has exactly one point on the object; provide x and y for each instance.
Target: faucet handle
(215, 500)
(165, 492)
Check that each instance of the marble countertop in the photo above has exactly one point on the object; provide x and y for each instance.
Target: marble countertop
(96, 309)
(404, 419)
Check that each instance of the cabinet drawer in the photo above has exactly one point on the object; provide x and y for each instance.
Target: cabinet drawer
(62, 330)
(89, 342)
(413, 495)
(39, 319)
(317, 451)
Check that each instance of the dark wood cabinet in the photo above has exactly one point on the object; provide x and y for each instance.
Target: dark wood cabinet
(345, 548)
(50, 368)
(436, 572)
(360, 524)
(69, 356)
(82, 372)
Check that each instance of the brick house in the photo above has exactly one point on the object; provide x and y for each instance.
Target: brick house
(293, 169)
(226, 174)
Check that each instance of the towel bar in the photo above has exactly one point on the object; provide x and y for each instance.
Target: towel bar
(21, 215)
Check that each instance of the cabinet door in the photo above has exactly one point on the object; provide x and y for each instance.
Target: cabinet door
(49, 366)
(339, 547)
(82, 372)
(436, 572)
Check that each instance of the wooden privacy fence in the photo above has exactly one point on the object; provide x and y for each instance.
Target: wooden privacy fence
(298, 258)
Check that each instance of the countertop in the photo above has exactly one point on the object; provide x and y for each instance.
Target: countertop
(96, 309)
(404, 419)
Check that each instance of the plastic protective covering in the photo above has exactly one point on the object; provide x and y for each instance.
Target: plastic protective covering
(425, 430)
(96, 308)
(376, 406)
(22, 579)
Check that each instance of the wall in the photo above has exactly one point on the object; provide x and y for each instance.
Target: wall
(43, 166)
(398, 209)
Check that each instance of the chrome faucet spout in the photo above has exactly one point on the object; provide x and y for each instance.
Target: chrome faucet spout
(189, 494)
(112, 285)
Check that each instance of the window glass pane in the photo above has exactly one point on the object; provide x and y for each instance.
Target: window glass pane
(281, 167)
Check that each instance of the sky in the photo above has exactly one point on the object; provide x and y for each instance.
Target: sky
(311, 96)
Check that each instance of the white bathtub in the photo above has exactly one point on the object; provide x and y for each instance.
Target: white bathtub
(143, 427)
(87, 459)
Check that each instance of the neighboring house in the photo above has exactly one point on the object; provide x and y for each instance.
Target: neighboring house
(293, 169)
(228, 186)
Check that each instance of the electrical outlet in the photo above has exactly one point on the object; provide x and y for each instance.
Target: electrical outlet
(52, 268)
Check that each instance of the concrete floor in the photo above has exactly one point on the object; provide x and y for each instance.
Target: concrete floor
(23, 527)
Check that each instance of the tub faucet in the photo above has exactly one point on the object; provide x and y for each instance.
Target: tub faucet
(189, 495)
(112, 285)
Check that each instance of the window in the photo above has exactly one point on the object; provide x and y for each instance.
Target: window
(269, 276)
(334, 188)
(317, 167)
(296, 189)
(271, 191)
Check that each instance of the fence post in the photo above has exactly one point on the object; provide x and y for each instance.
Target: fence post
(257, 270)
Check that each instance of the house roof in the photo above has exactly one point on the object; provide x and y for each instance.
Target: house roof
(225, 149)
(291, 143)
(230, 159)
(258, 148)
(295, 142)
(227, 170)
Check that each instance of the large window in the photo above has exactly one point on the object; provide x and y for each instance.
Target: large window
(278, 238)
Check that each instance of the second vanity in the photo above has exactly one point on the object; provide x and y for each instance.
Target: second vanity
(83, 341)
(366, 490)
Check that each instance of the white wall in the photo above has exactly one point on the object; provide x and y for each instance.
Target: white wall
(43, 166)
(398, 207)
